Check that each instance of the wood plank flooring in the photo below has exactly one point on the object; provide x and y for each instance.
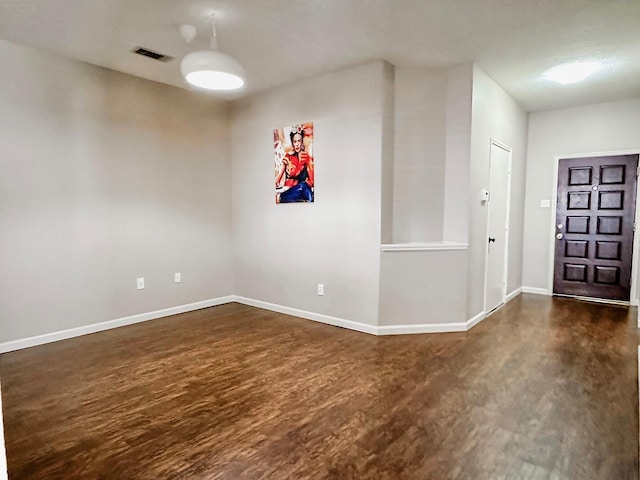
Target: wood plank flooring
(543, 389)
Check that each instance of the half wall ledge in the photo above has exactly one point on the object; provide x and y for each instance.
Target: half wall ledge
(422, 247)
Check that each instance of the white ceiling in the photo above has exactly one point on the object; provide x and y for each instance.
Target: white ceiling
(280, 41)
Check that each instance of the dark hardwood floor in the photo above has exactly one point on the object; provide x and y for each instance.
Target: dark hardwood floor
(543, 389)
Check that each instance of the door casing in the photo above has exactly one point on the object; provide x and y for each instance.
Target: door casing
(633, 300)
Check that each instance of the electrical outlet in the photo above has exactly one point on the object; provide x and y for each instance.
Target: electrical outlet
(320, 289)
(177, 277)
(140, 283)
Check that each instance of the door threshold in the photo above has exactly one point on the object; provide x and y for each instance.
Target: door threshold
(623, 303)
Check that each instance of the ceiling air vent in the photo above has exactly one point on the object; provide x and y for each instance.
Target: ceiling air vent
(151, 54)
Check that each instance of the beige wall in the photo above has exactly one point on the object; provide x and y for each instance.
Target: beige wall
(419, 154)
(423, 288)
(388, 146)
(284, 251)
(104, 178)
(605, 127)
(431, 168)
(458, 149)
(447, 286)
(495, 115)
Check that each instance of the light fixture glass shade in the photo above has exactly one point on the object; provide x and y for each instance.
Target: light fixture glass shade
(572, 72)
(212, 70)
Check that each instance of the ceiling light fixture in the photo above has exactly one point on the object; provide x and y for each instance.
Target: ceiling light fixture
(572, 72)
(210, 69)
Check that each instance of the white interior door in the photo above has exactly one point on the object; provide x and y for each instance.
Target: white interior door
(498, 226)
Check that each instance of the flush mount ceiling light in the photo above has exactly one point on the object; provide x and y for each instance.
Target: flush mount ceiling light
(572, 72)
(210, 69)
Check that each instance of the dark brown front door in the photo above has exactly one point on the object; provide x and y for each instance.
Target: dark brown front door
(594, 226)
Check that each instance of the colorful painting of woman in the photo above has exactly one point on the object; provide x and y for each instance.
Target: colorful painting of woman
(294, 163)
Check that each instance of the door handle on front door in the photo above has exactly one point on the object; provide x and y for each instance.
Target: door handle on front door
(492, 240)
(559, 236)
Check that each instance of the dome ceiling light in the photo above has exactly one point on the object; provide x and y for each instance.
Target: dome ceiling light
(572, 72)
(210, 69)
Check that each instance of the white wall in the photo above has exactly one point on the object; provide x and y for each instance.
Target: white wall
(431, 171)
(423, 288)
(606, 127)
(457, 151)
(283, 251)
(388, 147)
(419, 154)
(495, 115)
(104, 178)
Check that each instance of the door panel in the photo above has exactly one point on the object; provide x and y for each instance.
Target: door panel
(499, 180)
(595, 213)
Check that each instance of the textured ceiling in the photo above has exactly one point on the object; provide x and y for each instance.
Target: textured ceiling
(278, 42)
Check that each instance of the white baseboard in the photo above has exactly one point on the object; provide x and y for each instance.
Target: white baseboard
(513, 294)
(536, 291)
(472, 322)
(422, 328)
(316, 317)
(119, 322)
(360, 327)
(433, 328)
(482, 315)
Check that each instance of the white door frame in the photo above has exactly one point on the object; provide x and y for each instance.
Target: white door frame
(509, 150)
(633, 297)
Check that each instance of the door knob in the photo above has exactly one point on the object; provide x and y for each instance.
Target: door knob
(492, 240)
(559, 236)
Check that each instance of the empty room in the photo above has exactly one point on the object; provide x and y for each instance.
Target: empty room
(356, 239)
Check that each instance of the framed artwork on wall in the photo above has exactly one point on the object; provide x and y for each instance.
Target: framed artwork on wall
(294, 163)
